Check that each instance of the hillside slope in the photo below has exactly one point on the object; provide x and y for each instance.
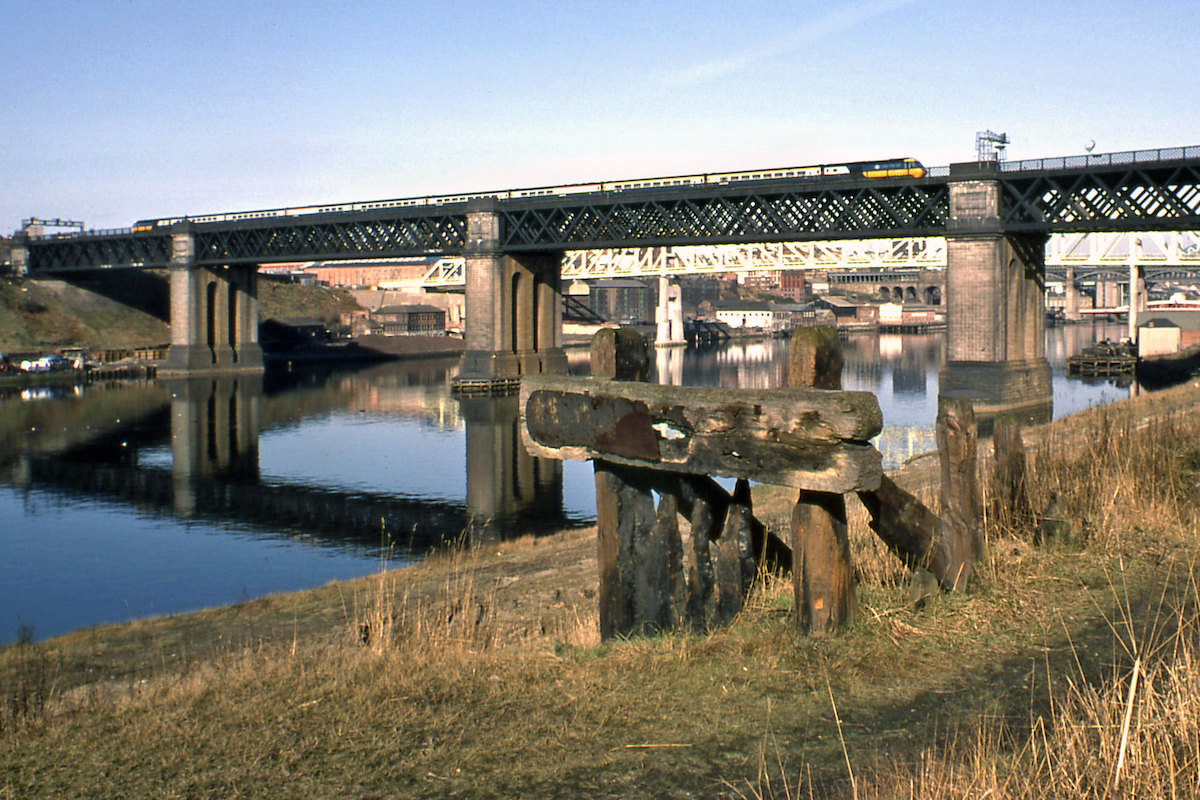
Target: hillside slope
(129, 310)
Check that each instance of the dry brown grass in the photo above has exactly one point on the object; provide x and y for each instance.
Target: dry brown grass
(1131, 729)
(1134, 732)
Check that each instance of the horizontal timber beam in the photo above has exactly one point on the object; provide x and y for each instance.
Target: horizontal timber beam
(807, 438)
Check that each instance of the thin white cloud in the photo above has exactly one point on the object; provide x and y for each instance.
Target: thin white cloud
(834, 22)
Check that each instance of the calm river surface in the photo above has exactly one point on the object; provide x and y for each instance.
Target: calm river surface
(120, 502)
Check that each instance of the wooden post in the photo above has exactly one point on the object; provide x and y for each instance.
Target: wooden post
(658, 590)
(815, 358)
(962, 529)
(621, 354)
(1010, 507)
(822, 575)
(623, 511)
(736, 559)
(643, 585)
(698, 566)
(823, 579)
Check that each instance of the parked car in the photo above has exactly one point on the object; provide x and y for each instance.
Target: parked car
(47, 363)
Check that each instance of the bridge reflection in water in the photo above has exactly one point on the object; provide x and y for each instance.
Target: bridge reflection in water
(189, 448)
(505, 483)
(157, 498)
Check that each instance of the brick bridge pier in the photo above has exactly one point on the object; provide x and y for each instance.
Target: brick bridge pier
(513, 309)
(995, 303)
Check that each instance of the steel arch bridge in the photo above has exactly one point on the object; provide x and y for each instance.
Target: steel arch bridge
(1152, 190)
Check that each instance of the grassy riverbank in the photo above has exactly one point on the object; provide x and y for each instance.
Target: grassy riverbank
(480, 673)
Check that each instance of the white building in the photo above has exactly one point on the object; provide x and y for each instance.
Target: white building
(745, 314)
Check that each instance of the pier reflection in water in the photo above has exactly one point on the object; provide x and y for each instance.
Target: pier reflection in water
(122, 501)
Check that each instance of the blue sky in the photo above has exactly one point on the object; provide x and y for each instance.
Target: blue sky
(120, 110)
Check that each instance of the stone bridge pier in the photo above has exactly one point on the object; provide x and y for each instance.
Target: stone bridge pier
(513, 309)
(995, 304)
(214, 313)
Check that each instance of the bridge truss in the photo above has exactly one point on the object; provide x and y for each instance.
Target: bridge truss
(1139, 190)
(1149, 190)
(1165, 254)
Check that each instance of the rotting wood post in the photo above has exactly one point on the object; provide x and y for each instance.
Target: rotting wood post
(822, 573)
(737, 561)
(962, 516)
(624, 512)
(823, 579)
(815, 358)
(698, 561)
(620, 354)
(643, 584)
(659, 591)
(1010, 498)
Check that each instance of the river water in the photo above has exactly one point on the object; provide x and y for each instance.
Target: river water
(130, 500)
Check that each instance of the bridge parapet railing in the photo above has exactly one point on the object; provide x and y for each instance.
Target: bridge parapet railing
(1102, 159)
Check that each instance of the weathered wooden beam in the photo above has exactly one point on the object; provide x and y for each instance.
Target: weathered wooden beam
(908, 528)
(807, 438)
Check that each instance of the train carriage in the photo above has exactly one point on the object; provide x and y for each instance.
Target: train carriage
(891, 169)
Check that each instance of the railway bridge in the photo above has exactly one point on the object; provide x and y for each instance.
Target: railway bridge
(995, 217)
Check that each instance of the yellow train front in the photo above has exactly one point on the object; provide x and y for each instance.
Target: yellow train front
(896, 168)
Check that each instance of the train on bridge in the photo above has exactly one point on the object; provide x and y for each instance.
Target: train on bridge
(894, 168)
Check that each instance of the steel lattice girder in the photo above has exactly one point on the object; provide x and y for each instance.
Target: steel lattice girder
(1121, 274)
(1120, 198)
(688, 217)
(290, 239)
(99, 252)
(1146, 196)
